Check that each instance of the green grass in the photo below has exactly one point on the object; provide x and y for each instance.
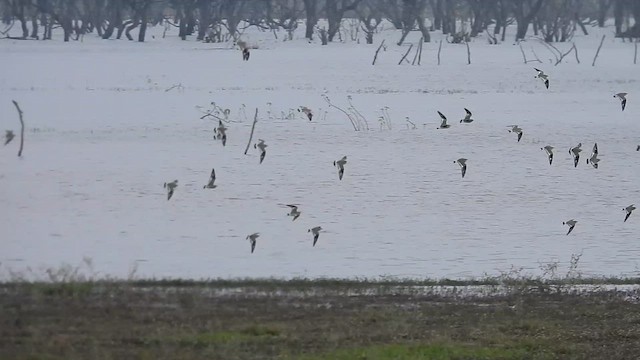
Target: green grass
(421, 351)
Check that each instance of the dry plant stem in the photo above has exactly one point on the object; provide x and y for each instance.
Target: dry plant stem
(598, 51)
(439, 48)
(420, 54)
(524, 57)
(405, 54)
(21, 128)
(575, 50)
(355, 127)
(358, 114)
(635, 53)
(567, 53)
(375, 57)
(253, 127)
(468, 53)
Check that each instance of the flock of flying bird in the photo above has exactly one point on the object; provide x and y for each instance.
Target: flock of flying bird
(221, 134)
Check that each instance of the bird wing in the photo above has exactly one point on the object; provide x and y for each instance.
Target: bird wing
(212, 178)
(468, 116)
(293, 207)
(442, 116)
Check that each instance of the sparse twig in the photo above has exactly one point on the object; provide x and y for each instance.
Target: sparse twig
(524, 57)
(353, 123)
(439, 48)
(635, 53)
(21, 128)
(178, 86)
(253, 127)
(598, 51)
(375, 57)
(405, 54)
(418, 51)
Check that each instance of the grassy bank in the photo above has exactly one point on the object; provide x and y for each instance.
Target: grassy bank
(318, 319)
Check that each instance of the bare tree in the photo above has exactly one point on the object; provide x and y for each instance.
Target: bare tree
(370, 17)
(524, 12)
(284, 14)
(311, 11)
(335, 10)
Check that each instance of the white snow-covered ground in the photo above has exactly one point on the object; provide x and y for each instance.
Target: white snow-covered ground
(106, 128)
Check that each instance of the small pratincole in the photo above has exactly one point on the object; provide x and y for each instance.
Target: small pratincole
(263, 149)
(252, 239)
(443, 123)
(8, 136)
(623, 99)
(575, 151)
(294, 212)
(542, 76)
(340, 164)
(628, 209)
(307, 112)
(571, 223)
(463, 165)
(316, 233)
(170, 186)
(593, 159)
(467, 118)
(517, 130)
(549, 150)
(221, 132)
(212, 180)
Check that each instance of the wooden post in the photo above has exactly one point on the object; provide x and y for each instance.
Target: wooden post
(21, 128)
(439, 48)
(635, 54)
(253, 127)
(375, 57)
(420, 55)
(415, 57)
(468, 53)
(597, 51)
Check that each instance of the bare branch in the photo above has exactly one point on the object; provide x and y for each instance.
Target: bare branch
(598, 51)
(21, 128)
(253, 127)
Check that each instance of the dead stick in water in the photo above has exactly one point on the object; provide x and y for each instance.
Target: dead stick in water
(253, 127)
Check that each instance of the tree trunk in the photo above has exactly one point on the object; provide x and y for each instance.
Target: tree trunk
(311, 11)
(618, 15)
(603, 8)
(34, 28)
(524, 19)
(436, 7)
(424, 29)
(134, 24)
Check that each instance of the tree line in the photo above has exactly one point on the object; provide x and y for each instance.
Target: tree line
(222, 20)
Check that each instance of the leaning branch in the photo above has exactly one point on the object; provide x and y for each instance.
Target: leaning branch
(21, 128)
(439, 48)
(405, 54)
(253, 127)
(375, 57)
(597, 51)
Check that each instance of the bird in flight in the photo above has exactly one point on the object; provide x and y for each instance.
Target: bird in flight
(623, 99)
(467, 118)
(252, 239)
(212, 180)
(340, 164)
(306, 111)
(443, 122)
(542, 76)
(549, 150)
(575, 151)
(628, 209)
(8, 136)
(516, 130)
(171, 187)
(294, 212)
(463, 165)
(263, 149)
(316, 233)
(571, 223)
(593, 159)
